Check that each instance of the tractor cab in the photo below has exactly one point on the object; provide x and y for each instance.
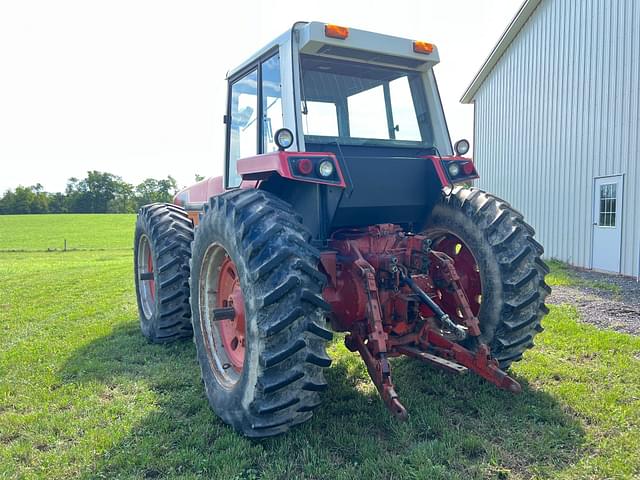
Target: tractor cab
(365, 104)
(335, 87)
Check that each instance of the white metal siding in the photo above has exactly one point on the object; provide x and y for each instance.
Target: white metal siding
(560, 108)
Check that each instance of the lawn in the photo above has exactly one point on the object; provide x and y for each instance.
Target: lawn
(561, 275)
(83, 395)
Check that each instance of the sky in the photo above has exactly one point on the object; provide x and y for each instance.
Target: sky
(137, 87)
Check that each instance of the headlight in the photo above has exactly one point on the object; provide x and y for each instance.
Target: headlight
(325, 169)
(454, 169)
(283, 138)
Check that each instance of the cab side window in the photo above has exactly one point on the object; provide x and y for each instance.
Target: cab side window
(243, 131)
(271, 102)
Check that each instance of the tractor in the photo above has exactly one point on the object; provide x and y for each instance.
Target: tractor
(343, 207)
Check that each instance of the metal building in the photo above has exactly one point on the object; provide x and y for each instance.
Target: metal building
(557, 127)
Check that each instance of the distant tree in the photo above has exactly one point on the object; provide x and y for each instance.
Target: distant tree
(72, 194)
(22, 200)
(98, 192)
(199, 177)
(124, 201)
(39, 203)
(101, 188)
(152, 190)
(8, 202)
(57, 203)
(94, 193)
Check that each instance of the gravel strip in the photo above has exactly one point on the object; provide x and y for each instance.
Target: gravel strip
(605, 309)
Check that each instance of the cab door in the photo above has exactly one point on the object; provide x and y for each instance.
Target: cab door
(254, 113)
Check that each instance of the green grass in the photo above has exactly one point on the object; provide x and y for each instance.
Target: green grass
(561, 275)
(48, 232)
(83, 395)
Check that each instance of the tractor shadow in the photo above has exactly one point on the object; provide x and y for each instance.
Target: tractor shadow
(153, 409)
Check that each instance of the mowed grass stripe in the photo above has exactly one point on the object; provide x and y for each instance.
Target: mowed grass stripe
(83, 395)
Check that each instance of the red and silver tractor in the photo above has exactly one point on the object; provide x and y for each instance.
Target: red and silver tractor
(343, 207)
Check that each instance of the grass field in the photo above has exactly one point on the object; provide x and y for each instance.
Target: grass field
(83, 395)
(82, 232)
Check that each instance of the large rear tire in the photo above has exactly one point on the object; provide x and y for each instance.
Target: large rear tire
(263, 370)
(500, 266)
(162, 248)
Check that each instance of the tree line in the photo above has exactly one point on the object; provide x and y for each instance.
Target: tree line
(98, 192)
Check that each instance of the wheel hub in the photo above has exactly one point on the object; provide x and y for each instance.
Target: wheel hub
(467, 268)
(232, 332)
(152, 282)
(224, 336)
(146, 277)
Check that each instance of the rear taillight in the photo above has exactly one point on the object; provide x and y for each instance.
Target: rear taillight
(304, 166)
(314, 167)
(460, 170)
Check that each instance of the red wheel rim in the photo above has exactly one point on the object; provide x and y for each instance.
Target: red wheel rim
(152, 282)
(224, 341)
(467, 268)
(146, 277)
(232, 332)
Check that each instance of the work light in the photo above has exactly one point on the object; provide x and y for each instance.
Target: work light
(461, 147)
(283, 138)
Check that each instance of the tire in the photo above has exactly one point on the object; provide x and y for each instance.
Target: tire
(162, 245)
(511, 270)
(278, 382)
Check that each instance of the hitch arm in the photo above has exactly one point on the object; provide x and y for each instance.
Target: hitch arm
(374, 352)
(380, 372)
(479, 362)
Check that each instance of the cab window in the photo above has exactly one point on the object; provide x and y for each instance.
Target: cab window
(243, 127)
(253, 118)
(363, 104)
(271, 102)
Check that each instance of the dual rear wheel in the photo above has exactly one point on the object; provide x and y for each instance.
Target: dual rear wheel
(162, 248)
(257, 311)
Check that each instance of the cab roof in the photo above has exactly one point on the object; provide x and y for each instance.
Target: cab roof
(359, 45)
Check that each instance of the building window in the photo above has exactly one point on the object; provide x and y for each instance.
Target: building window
(607, 205)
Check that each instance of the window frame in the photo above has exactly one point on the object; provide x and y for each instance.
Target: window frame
(256, 66)
(607, 216)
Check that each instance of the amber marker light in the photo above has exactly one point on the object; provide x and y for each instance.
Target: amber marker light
(423, 47)
(336, 31)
